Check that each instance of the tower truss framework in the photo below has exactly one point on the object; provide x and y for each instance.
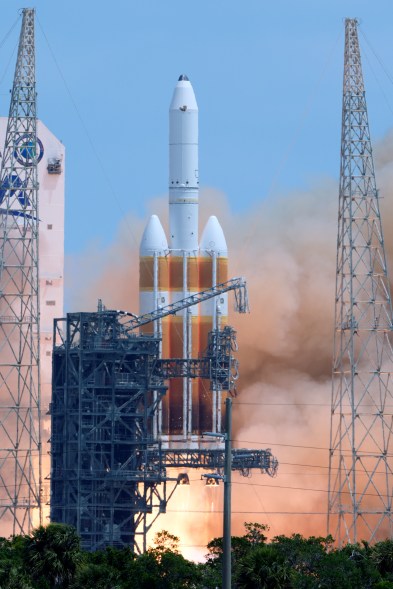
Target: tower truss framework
(110, 475)
(20, 432)
(361, 444)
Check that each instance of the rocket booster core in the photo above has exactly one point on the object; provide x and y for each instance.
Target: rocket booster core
(173, 270)
(183, 168)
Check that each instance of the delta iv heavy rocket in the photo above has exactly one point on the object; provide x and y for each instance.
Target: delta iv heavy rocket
(170, 271)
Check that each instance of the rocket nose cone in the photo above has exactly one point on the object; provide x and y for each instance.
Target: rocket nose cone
(183, 95)
(213, 238)
(153, 238)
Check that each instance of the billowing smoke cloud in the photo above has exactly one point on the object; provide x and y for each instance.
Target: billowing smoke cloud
(286, 248)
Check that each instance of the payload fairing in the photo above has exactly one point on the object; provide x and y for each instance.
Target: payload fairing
(173, 269)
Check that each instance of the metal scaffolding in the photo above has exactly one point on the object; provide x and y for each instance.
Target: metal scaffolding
(20, 429)
(109, 473)
(361, 444)
(102, 481)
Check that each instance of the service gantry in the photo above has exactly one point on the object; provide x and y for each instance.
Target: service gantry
(361, 442)
(20, 411)
(109, 471)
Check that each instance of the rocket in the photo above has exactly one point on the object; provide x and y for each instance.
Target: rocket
(183, 169)
(174, 268)
(213, 270)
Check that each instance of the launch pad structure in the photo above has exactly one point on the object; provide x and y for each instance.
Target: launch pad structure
(116, 433)
(128, 408)
(110, 473)
(361, 442)
(20, 410)
(31, 288)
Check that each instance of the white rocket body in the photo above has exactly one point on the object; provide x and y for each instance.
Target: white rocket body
(153, 248)
(213, 245)
(174, 269)
(183, 169)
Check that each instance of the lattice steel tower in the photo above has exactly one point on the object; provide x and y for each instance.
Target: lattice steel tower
(20, 442)
(361, 443)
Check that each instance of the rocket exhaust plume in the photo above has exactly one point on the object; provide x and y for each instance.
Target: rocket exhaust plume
(286, 248)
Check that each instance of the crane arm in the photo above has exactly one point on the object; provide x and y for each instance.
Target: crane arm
(236, 284)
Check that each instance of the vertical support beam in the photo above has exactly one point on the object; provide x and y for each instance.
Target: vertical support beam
(157, 327)
(185, 347)
(215, 393)
(189, 380)
(227, 564)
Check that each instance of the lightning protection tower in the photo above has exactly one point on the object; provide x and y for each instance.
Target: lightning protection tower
(20, 443)
(361, 442)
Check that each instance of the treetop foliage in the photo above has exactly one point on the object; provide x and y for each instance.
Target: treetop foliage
(51, 558)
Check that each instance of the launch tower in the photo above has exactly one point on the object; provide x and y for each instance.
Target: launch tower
(361, 443)
(20, 410)
(31, 291)
(109, 470)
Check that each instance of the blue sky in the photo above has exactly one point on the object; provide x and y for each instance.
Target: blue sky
(267, 77)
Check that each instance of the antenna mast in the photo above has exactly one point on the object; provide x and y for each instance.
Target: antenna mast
(20, 411)
(361, 442)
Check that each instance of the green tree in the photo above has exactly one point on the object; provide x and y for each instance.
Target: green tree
(303, 554)
(255, 533)
(13, 574)
(339, 569)
(167, 570)
(52, 555)
(382, 557)
(96, 576)
(263, 568)
(165, 542)
(106, 569)
(241, 547)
